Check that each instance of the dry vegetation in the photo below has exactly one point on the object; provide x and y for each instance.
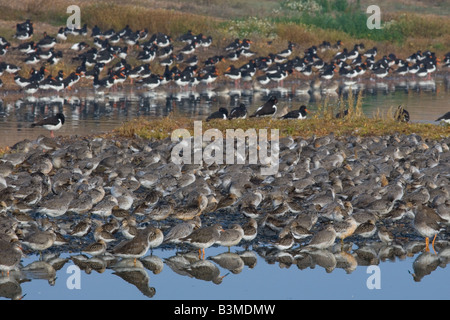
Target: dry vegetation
(322, 122)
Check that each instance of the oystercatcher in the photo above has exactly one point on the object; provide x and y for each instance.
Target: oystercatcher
(79, 46)
(287, 52)
(381, 72)
(402, 114)
(233, 73)
(299, 114)
(24, 34)
(47, 42)
(445, 118)
(21, 81)
(371, 52)
(235, 45)
(62, 35)
(238, 112)
(51, 123)
(26, 47)
(328, 72)
(152, 81)
(221, 114)
(267, 109)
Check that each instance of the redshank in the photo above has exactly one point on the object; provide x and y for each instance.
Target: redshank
(231, 237)
(204, 238)
(136, 247)
(323, 239)
(10, 255)
(182, 230)
(427, 223)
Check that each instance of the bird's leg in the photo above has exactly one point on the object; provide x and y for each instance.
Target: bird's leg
(427, 244)
(432, 243)
(52, 134)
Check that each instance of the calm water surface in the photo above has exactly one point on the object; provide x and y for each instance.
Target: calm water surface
(254, 274)
(88, 112)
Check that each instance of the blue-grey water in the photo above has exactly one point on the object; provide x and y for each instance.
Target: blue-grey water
(360, 273)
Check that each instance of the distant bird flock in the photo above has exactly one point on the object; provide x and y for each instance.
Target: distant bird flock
(111, 49)
(105, 59)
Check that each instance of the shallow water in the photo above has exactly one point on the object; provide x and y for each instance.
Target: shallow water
(401, 272)
(88, 112)
(360, 273)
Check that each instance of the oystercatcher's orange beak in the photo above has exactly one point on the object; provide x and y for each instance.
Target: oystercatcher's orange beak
(307, 111)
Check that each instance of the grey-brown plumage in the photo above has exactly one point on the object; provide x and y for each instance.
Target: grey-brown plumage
(250, 230)
(10, 255)
(136, 275)
(182, 230)
(427, 224)
(323, 239)
(205, 270)
(231, 237)
(96, 248)
(136, 247)
(81, 228)
(39, 240)
(204, 237)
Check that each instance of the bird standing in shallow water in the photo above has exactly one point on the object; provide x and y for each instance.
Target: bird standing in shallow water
(182, 230)
(231, 237)
(136, 247)
(204, 237)
(323, 239)
(427, 223)
(51, 123)
(10, 255)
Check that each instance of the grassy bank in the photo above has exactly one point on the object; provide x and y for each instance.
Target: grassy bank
(321, 123)
(163, 128)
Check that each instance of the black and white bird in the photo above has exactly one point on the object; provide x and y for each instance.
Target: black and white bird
(287, 52)
(61, 36)
(445, 118)
(402, 114)
(267, 109)
(299, 114)
(26, 47)
(51, 123)
(79, 46)
(239, 112)
(47, 42)
(222, 113)
(24, 31)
